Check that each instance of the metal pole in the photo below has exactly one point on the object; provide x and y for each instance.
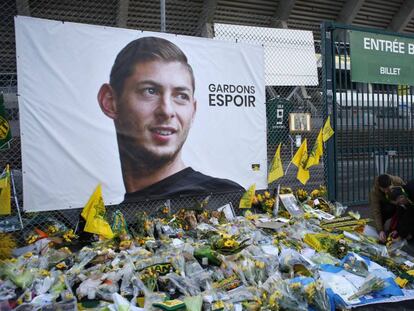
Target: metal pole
(15, 199)
(162, 4)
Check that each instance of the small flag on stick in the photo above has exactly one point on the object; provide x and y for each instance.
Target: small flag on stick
(247, 198)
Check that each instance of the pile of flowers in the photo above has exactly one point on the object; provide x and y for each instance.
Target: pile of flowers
(200, 260)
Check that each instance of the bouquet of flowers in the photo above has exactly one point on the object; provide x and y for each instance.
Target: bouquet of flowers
(320, 192)
(372, 283)
(280, 295)
(264, 201)
(355, 265)
(316, 296)
(228, 244)
(301, 195)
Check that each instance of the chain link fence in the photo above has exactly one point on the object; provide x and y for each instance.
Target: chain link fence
(194, 18)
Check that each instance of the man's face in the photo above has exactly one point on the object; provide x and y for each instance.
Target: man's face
(400, 200)
(385, 190)
(155, 111)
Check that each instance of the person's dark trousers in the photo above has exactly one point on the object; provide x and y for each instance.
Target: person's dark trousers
(405, 224)
(409, 189)
(387, 211)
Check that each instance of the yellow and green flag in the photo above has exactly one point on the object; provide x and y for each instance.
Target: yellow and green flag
(276, 169)
(327, 130)
(317, 151)
(94, 215)
(247, 198)
(299, 160)
(5, 132)
(5, 192)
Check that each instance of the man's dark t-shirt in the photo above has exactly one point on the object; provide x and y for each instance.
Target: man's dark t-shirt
(185, 182)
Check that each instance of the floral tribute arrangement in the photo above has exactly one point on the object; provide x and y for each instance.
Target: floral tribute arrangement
(201, 259)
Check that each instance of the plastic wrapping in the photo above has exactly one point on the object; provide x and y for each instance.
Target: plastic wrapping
(184, 285)
(355, 264)
(88, 288)
(338, 209)
(18, 274)
(293, 263)
(126, 288)
(324, 258)
(284, 296)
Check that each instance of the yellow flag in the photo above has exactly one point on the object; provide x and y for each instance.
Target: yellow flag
(327, 130)
(299, 160)
(247, 198)
(317, 151)
(276, 170)
(298, 157)
(5, 192)
(94, 214)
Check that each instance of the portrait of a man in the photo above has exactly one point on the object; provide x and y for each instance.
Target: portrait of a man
(150, 98)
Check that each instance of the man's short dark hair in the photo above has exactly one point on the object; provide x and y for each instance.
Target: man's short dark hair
(384, 181)
(142, 50)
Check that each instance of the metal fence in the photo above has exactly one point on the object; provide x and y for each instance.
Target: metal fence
(182, 17)
(373, 123)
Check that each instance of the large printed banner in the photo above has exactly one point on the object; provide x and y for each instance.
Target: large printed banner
(131, 110)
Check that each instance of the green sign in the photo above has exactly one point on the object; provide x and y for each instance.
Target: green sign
(378, 58)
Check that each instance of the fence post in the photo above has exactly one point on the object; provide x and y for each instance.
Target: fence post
(330, 109)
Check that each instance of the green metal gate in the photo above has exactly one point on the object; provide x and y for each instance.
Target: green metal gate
(373, 123)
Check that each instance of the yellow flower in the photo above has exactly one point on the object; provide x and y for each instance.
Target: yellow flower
(140, 241)
(267, 194)
(295, 285)
(259, 198)
(310, 292)
(68, 295)
(255, 200)
(11, 260)
(28, 255)
(61, 265)
(165, 210)
(125, 244)
(284, 190)
(32, 238)
(284, 214)
(269, 203)
(273, 300)
(229, 243)
(44, 273)
(260, 264)
(315, 193)
(69, 235)
(250, 216)
(52, 229)
(147, 225)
